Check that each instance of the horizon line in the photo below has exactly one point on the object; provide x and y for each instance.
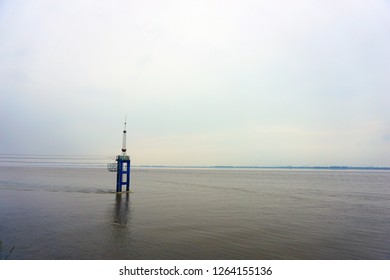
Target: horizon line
(338, 167)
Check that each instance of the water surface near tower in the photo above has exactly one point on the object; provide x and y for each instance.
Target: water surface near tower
(73, 213)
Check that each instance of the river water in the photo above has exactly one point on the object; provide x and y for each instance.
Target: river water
(74, 213)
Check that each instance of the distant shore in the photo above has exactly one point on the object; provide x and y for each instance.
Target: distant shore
(271, 167)
(91, 164)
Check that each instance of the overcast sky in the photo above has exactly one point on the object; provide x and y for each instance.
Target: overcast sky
(201, 82)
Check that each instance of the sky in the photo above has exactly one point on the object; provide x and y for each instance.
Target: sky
(203, 82)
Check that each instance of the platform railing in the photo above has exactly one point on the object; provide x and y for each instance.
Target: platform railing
(112, 167)
(121, 157)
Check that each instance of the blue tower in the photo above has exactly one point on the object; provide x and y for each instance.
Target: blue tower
(121, 167)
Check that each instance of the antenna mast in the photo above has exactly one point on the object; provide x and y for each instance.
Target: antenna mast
(124, 139)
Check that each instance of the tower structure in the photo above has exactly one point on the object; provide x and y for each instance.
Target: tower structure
(122, 166)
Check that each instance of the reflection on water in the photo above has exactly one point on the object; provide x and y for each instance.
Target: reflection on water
(121, 215)
(121, 238)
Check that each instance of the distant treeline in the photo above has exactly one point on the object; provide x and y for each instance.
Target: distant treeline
(335, 167)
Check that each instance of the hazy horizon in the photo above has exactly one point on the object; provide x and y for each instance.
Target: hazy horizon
(101, 161)
(253, 83)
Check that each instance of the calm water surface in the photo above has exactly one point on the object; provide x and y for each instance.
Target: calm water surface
(70, 213)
